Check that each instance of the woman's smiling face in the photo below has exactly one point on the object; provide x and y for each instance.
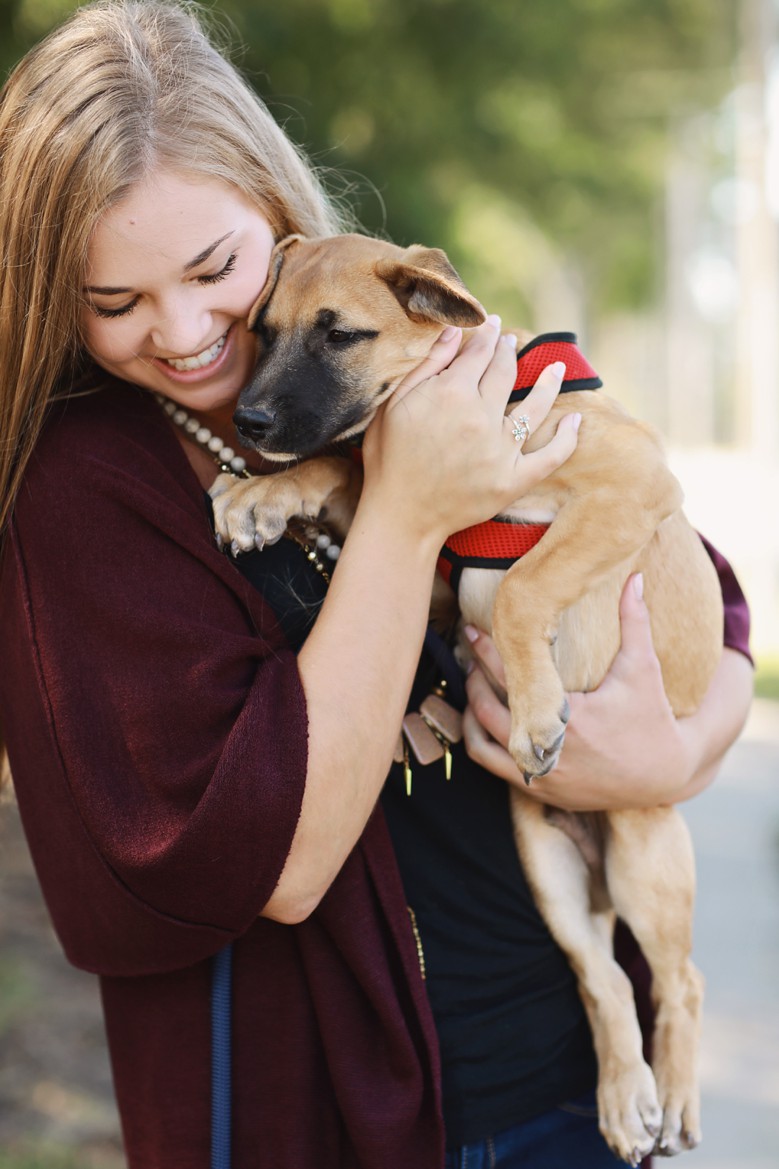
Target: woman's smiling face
(173, 270)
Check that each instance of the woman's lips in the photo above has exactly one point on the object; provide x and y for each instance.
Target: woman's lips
(200, 372)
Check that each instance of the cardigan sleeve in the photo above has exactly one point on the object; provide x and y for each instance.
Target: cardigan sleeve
(736, 610)
(155, 718)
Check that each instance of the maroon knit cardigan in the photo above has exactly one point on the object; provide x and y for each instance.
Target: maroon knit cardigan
(157, 732)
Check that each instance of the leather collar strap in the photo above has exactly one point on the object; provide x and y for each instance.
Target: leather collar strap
(499, 542)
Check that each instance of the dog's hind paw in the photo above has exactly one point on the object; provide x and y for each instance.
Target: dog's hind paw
(631, 1119)
(536, 746)
(680, 1132)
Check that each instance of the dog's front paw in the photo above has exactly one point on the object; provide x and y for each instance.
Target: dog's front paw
(629, 1114)
(249, 513)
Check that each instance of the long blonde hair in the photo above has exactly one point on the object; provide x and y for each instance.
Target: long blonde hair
(118, 88)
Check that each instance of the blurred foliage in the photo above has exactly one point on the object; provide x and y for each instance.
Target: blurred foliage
(51, 1156)
(17, 996)
(489, 128)
(767, 678)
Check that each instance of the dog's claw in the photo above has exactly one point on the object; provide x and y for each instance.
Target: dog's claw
(259, 542)
(219, 542)
(527, 777)
(234, 549)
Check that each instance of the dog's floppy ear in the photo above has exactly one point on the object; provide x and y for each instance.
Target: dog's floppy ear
(429, 288)
(276, 259)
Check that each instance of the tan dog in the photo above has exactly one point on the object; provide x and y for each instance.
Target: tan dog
(341, 322)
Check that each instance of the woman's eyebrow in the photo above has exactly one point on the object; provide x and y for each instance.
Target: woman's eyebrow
(204, 255)
(200, 258)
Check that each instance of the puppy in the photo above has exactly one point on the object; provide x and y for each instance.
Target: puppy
(341, 321)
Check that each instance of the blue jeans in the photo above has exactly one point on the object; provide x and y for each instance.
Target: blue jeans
(566, 1138)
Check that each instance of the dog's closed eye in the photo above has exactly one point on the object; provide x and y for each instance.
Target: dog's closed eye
(350, 337)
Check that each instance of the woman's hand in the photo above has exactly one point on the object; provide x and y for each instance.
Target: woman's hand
(441, 452)
(623, 747)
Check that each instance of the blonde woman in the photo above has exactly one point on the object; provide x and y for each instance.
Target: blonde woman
(198, 761)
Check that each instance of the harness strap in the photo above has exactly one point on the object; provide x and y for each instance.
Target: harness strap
(544, 350)
(494, 544)
(500, 541)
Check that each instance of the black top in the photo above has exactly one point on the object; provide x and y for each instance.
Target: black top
(513, 1034)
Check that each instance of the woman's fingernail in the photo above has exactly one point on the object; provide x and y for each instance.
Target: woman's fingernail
(494, 320)
(576, 421)
(510, 340)
(558, 369)
(449, 332)
(471, 632)
(638, 585)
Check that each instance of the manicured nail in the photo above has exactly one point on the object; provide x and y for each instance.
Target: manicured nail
(638, 585)
(449, 332)
(494, 320)
(558, 369)
(471, 632)
(576, 421)
(510, 340)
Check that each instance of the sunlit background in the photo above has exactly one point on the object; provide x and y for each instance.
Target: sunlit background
(605, 166)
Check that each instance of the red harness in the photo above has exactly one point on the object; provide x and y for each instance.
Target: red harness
(499, 542)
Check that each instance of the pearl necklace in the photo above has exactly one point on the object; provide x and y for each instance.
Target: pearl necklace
(312, 540)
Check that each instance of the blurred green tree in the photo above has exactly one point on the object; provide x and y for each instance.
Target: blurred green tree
(486, 128)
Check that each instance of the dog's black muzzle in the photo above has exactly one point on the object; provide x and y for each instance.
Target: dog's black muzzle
(254, 424)
(296, 404)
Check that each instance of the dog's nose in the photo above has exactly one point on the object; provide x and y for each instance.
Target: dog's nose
(253, 422)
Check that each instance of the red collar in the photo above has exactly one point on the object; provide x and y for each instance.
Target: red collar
(499, 542)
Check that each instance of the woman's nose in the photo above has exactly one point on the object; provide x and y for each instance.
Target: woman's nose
(181, 330)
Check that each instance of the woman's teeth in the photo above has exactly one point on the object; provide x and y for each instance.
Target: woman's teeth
(200, 359)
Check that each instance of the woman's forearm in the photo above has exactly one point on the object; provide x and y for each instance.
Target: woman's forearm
(357, 668)
(719, 720)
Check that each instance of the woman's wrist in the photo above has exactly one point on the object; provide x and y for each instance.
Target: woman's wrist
(405, 531)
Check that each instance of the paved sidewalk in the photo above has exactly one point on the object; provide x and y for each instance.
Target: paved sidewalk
(735, 827)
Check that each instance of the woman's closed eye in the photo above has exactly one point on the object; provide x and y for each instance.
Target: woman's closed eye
(124, 311)
(208, 278)
(215, 277)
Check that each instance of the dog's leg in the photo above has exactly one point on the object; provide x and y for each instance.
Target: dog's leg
(582, 925)
(249, 513)
(651, 877)
(595, 532)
